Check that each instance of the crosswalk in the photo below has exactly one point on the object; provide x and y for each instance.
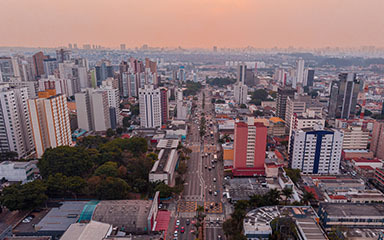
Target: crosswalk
(191, 206)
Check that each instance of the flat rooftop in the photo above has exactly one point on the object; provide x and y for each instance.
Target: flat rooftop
(167, 143)
(354, 209)
(60, 218)
(128, 215)
(85, 231)
(305, 218)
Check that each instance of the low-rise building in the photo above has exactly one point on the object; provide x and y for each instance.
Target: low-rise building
(87, 231)
(164, 168)
(18, 171)
(351, 215)
(132, 216)
(257, 223)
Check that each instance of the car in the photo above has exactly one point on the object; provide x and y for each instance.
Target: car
(160, 206)
(209, 168)
(176, 227)
(193, 222)
(217, 220)
(211, 221)
(192, 231)
(211, 205)
(219, 237)
(210, 191)
(182, 230)
(206, 166)
(188, 222)
(213, 166)
(214, 179)
(175, 233)
(177, 222)
(215, 193)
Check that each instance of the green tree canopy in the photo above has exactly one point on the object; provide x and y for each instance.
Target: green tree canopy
(70, 161)
(112, 188)
(108, 169)
(24, 197)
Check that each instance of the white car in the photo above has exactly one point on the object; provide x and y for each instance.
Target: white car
(214, 179)
(175, 234)
(177, 223)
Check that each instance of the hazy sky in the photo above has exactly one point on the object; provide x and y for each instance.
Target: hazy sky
(192, 23)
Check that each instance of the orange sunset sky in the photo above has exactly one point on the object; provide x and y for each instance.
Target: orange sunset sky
(192, 23)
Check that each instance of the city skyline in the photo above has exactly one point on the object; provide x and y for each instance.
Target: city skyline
(193, 24)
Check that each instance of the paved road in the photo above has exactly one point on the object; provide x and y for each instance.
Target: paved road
(204, 178)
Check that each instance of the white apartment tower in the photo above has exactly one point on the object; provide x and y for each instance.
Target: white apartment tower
(150, 107)
(50, 121)
(299, 73)
(316, 151)
(15, 129)
(240, 93)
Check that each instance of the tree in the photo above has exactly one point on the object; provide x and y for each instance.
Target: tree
(56, 185)
(108, 169)
(293, 174)
(165, 190)
(70, 161)
(110, 132)
(137, 145)
(91, 141)
(112, 189)
(126, 122)
(76, 185)
(287, 193)
(153, 156)
(24, 197)
(307, 197)
(119, 130)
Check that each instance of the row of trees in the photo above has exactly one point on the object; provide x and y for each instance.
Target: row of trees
(97, 168)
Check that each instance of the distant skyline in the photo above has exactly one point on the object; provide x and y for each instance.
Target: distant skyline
(193, 23)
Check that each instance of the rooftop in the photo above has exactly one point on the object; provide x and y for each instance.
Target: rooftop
(128, 215)
(86, 231)
(354, 209)
(60, 218)
(305, 218)
(167, 143)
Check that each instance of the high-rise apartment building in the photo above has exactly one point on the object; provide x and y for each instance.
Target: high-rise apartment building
(240, 93)
(377, 141)
(150, 107)
(355, 138)
(50, 121)
(249, 147)
(241, 73)
(343, 96)
(38, 62)
(15, 127)
(315, 150)
(309, 76)
(93, 112)
(110, 85)
(6, 69)
(63, 55)
(299, 73)
(104, 70)
(281, 101)
(164, 105)
(50, 66)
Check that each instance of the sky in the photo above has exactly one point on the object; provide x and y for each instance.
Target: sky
(193, 23)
